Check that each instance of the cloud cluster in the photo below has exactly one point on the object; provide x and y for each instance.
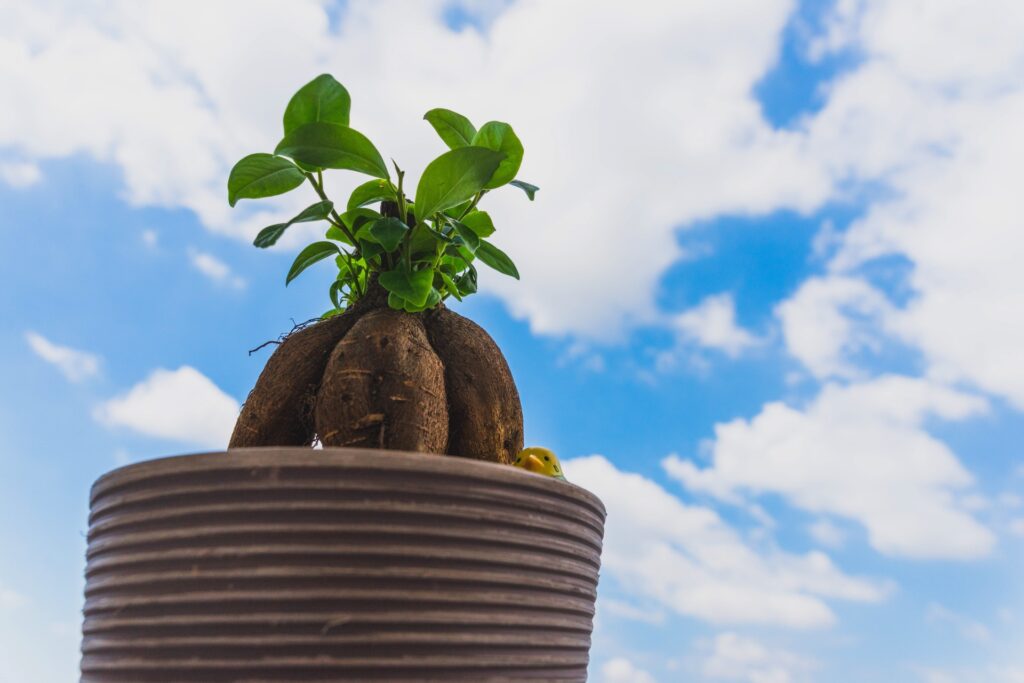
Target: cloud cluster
(732, 657)
(859, 452)
(687, 559)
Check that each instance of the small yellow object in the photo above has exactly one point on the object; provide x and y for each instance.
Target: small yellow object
(539, 461)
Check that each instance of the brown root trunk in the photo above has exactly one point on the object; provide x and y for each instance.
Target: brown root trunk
(485, 415)
(384, 387)
(279, 410)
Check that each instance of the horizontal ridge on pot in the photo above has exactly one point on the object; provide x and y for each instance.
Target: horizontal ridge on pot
(289, 564)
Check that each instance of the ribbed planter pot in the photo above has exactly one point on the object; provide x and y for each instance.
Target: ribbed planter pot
(289, 564)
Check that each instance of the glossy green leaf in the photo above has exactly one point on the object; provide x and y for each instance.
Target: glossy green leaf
(335, 233)
(413, 286)
(322, 99)
(328, 145)
(388, 232)
(500, 137)
(331, 313)
(529, 189)
(317, 251)
(270, 234)
(467, 282)
(396, 302)
(454, 129)
(335, 289)
(262, 175)
(355, 218)
(369, 192)
(469, 237)
(454, 177)
(497, 259)
(480, 223)
(433, 298)
(449, 285)
(370, 249)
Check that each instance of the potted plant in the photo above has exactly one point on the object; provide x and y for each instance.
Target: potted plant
(367, 559)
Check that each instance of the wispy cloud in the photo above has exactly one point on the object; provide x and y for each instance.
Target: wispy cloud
(20, 174)
(215, 269)
(75, 365)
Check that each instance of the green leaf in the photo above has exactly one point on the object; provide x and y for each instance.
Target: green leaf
(467, 282)
(396, 302)
(500, 137)
(433, 298)
(270, 234)
(469, 237)
(370, 249)
(480, 223)
(449, 284)
(497, 259)
(529, 189)
(454, 177)
(454, 129)
(331, 313)
(335, 289)
(317, 251)
(369, 192)
(328, 145)
(262, 175)
(355, 218)
(334, 233)
(388, 232)
(322, 99)
(413, 286)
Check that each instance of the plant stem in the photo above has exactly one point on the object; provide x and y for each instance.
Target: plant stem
(337, 222)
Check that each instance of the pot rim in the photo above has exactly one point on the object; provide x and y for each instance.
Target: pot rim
(343, 459)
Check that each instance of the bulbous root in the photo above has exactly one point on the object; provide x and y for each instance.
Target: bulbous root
(485, 416)
(279, 410)
(384, 387)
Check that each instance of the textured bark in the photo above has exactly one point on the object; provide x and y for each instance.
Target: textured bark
(279, 409)
(485, 414)
(384, 387)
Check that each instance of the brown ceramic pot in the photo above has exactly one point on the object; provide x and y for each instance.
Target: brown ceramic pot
(289, 564)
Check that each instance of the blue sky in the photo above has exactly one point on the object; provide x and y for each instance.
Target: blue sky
(767, 309)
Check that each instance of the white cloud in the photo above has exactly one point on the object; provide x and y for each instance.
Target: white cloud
(678, 76)
(969, 628)
(215, 269)
(150, 238)
(1017, 527)
(827, 533)
(733, 657)
(182, 405)
(687, 559)
(829, 319)
(75, 365)
(932, 114)
(858, 452)
(621, 670)
(20, 174)
(712, 324)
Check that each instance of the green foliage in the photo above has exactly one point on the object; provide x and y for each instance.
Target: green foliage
(322, 99)
(262, 175)
(421, 250)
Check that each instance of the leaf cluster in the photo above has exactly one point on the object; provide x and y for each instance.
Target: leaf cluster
(422, 249)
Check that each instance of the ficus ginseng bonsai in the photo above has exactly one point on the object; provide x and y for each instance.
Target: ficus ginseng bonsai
(388, 366)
